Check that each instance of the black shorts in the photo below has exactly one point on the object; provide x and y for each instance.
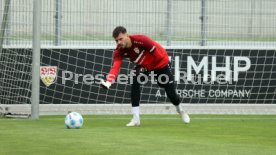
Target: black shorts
(163, 76)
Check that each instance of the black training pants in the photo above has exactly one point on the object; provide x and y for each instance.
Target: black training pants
(165, 81)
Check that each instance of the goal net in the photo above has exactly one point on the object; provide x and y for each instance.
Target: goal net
(202, 75)
(222, 55)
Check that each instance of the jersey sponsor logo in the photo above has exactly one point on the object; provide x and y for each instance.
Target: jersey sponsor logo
(48, 74)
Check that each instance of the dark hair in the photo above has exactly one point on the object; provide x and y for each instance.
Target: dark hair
(118, 30)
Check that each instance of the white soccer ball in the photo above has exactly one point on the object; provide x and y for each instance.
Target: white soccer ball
(73, 120)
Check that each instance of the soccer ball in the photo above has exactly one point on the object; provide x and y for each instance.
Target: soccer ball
(73, 120)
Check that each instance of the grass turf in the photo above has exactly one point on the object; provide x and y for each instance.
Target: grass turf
(159, 134)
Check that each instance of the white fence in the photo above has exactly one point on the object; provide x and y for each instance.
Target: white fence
(189, 22)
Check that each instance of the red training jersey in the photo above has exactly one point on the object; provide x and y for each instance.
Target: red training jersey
(144, 52)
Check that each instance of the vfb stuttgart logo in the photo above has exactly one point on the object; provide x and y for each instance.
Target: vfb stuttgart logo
(48, 74)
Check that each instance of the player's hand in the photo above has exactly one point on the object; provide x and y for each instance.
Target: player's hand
(105, 84)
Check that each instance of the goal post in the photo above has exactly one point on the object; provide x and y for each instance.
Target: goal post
(36, 60)
(11, 80)
(4, 23)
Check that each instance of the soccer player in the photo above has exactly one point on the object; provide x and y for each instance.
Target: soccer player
(148, 56)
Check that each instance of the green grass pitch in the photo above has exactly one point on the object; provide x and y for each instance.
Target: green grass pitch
(158, 135)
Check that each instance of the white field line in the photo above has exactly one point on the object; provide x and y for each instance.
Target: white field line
(175, 118)
(198, 118)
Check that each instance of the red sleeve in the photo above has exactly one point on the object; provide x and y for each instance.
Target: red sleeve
(148, 43)
(117, 62)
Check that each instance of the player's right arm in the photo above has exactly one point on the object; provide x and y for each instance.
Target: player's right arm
(114, 71)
